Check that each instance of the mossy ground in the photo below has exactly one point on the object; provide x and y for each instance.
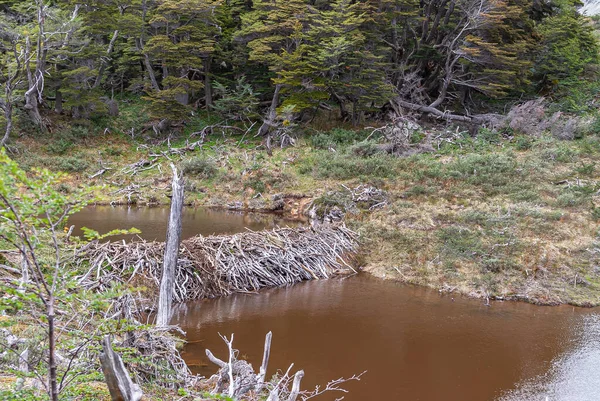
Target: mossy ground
(500, 217)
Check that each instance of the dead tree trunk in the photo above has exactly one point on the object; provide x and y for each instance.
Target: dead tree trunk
(35, 78)
(165, 298)
(120, 385)
(6, 104)
(52, 376)
(263, 367)
(8, 117)
(105, 61)
(475, 121)
(33, 93)
(270, 121)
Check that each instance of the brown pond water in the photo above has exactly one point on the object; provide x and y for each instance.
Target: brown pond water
(152, 221)
(414, 343)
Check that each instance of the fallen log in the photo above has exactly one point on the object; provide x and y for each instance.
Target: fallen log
(476, 120)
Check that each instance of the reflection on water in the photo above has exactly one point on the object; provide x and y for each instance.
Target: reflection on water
(574, 376)
(152, 221)
(414, 343)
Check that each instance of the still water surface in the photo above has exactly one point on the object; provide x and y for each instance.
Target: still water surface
(414, 343)
(152, 221)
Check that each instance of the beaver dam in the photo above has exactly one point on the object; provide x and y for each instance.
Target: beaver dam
(220, 265)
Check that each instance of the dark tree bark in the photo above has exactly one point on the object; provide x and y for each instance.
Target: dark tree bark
(140, 47)
(208, 96)
(52, 378)
(58, 102)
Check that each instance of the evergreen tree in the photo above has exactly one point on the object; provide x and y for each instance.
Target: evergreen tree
(274, 33)
(344, 58)
(567, 47)
(185, 37)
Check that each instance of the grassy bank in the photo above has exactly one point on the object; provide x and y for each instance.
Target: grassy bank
(512, 217)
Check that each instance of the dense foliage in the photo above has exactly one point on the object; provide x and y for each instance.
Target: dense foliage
(231, 56)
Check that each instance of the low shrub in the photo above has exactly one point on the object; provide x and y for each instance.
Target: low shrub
(59, 146)
(345, 166)
(72, 164)
(257, 184)
(459, 242)
(200, 167)
(523, 143)
(336, 137)
(491, 172)
(365, 149)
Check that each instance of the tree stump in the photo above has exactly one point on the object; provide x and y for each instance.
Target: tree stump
(120, 385)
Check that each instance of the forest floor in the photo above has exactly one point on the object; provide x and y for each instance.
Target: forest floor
(498, 217)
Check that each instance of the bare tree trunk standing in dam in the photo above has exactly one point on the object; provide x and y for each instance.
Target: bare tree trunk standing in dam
(165, 297)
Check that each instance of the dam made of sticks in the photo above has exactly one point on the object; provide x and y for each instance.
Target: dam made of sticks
(220, 265)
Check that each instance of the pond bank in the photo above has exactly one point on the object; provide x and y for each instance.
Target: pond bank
(487, 217)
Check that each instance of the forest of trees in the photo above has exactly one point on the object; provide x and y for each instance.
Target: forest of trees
(275, 58)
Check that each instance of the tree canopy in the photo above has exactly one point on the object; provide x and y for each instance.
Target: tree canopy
(73, 57)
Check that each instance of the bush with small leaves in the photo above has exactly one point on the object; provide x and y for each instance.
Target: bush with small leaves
(200, 167)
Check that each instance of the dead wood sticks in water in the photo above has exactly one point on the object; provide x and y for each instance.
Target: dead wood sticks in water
(215, 266)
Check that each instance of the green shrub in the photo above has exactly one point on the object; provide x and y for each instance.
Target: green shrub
(257, 184)
(337, 136)
(344, 166)
(72, 164)
(594, 127)
(590, 145)
(526, 195)
(490, 171)
(62, 141)
(109, 151)
(523, 143)
(459, 242)
(59, 146)
(489, 136)
(321, 141)
(79, 132)
(364, 148)
(572, 198)
(562, 154)
(497, 265)
(418, 190)
(21, 395)
(586, 169)
(200, 167)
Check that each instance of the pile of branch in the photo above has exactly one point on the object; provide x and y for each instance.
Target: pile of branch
(221, 265)
(129, 191)
(153, 352)
(141, 165)
(237, 379)
(368, 195)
